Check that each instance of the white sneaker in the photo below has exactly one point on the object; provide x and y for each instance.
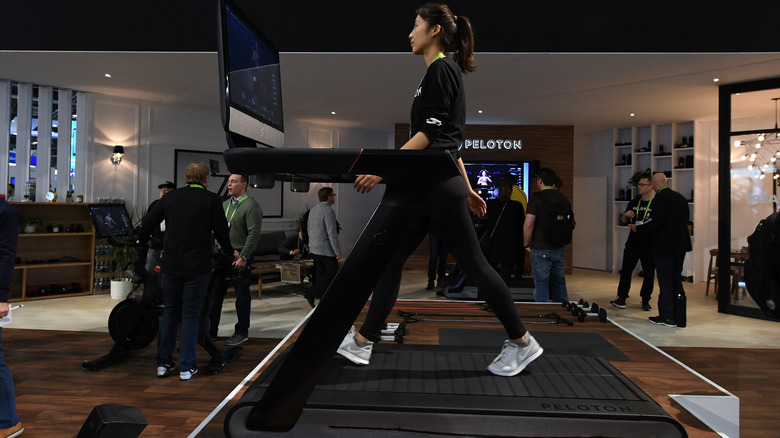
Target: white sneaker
(350, 349)
(513, 358)
(187, 375)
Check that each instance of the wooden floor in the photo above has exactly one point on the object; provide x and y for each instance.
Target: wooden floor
(54, 396)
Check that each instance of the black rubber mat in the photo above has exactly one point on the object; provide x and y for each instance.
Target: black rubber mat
(586, 344)
(446, 391)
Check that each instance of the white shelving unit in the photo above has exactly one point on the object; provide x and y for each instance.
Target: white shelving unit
(667, 148)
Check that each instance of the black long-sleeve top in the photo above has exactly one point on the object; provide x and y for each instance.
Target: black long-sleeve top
(439, 106)
(191, 214)
(9, 235)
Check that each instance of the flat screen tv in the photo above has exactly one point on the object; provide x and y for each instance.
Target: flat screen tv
(249, 80)
(485, 175)
(110, 220)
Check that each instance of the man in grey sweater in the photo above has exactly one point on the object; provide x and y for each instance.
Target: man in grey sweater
(323, 243)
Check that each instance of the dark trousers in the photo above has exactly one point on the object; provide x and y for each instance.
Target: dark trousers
(632, 255)
(438, 257)
(8, 416)
(325, 268)
(243, 300)
(668, 268)
(448, 216)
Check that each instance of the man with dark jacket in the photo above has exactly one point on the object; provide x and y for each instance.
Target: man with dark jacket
(670, 240)
(10, 426)
(191, 214)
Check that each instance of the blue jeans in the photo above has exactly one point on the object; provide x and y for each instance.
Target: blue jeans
(8, 416)
(183, 296)
(547, 266)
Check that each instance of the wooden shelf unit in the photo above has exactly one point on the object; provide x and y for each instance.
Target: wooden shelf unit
(52, 261)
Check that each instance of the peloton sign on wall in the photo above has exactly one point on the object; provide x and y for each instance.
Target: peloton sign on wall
(495, 144)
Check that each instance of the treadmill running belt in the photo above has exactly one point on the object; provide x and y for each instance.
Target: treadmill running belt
(443, 391)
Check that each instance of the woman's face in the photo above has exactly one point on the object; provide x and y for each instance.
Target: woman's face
(422, 36)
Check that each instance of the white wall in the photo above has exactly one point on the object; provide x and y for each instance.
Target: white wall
(593, 159)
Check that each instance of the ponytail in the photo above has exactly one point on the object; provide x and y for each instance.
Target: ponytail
(456, 33)
(464, 49)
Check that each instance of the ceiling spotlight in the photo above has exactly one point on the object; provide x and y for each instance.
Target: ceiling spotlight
(761, 137)
(480, 111)
(776, 176)
(107, 75)
(632, 114)
(758, 145)
(762, 175)
(737, 143)
(773, 159)
(744, 157)
(333, 113)
(716, 80)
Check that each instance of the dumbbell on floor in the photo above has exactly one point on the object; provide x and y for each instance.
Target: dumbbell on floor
(597, 312)
(570, 305)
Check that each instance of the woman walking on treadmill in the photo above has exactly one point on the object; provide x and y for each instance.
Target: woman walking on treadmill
(438, 119)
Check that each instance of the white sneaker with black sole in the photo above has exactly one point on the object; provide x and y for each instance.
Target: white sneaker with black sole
(350, 349)
(165, 370)
(187, 375)
(514, 358)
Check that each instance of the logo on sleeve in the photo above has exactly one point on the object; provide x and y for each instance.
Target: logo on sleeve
(433, 121)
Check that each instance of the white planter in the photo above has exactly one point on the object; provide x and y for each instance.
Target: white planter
(29, 229)
(120, 289)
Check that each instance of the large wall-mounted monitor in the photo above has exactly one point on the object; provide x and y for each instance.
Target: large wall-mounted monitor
(485, 175)
(249, 80)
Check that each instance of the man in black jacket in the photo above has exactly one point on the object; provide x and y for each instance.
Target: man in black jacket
(191, 214)
(670, 241)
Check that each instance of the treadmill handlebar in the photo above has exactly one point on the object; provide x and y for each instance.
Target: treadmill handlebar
(394, 166)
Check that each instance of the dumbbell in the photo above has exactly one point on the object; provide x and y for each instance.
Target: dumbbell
(394, 331)
(570, 305)
(600, 313)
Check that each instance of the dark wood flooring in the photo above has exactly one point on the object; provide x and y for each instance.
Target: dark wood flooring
(54, 396)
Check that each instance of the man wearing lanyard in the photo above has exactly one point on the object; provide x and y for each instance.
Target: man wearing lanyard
(547, 260)
(245, 218)
(191, 215)
(670, 240)
(637, 247)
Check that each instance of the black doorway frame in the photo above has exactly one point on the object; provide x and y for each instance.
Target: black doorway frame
(724, 185)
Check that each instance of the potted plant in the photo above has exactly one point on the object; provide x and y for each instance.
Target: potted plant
(120, 259)
(30, 223)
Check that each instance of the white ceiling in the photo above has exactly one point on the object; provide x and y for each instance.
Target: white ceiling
(590, 91)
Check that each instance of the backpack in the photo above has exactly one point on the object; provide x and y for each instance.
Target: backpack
(761, 269)
(561, 221)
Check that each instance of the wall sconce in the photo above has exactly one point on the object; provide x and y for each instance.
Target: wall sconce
(116, 156)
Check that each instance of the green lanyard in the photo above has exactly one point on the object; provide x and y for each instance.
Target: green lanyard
(647, 208)
(197, 186)
(243, 198)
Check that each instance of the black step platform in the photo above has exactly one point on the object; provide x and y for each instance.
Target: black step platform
(425, 391)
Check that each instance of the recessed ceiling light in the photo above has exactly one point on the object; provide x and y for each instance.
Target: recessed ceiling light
(480, 111)
(108, 75)
(333, 113)
(716, 80)
(632, 114)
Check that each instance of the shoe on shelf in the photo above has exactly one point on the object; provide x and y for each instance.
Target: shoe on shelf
(187, 375)
(620, 303)
(165, 369)
(514, 358)
(350, 349)
(646, 306)
(430, 285)
(12, 431)
(662, 321)
(236, 339)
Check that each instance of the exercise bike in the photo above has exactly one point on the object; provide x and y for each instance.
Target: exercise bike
(135, 322)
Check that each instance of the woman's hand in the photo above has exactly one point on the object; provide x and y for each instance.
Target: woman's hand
(365, 183)
(476, 204)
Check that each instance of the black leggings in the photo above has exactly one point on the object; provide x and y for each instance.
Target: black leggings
(448, 216)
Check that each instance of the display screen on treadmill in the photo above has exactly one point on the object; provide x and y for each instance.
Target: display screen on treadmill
(253, 68)
(110, 219)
